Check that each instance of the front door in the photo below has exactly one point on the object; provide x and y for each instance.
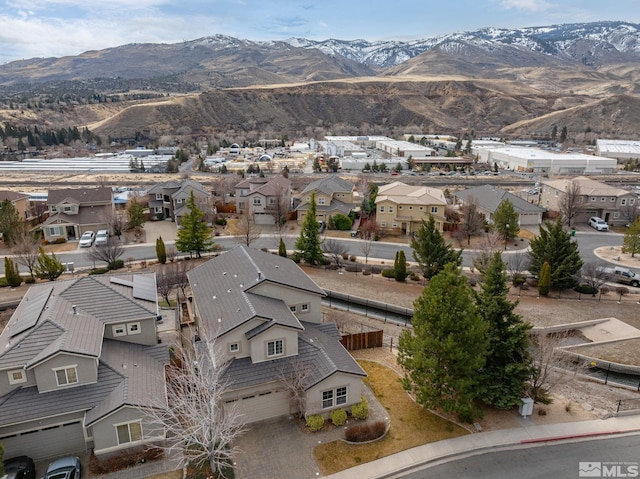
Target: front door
(71, 232)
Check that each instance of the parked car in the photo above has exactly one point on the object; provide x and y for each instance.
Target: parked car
(598, 223)
(64, 468)
(102, 237)
(622, 275)
(21, 467)
(86, 239)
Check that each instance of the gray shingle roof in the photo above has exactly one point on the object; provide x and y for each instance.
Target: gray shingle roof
(335, 205)
(80, 195)
(329, 186)
(489, 198)
(222, 288)
(319, 351)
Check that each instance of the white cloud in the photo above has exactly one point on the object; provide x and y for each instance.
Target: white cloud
(531, 5)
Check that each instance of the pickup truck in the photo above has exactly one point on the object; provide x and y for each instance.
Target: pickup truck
(622, 275)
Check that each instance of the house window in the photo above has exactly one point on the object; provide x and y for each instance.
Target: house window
(603, 199)
(67, 209)
(390, 209)
(434, 209)
(53, 209)
(179, 201)
(54, 230)
(234, 347)
(240, 205)
(383, 224)
(305, 308)
(616, 214)
(557, 193)
(257, 201)
(275, 348)
(293, 308)
(382, 209)
(613, 198)
(631, 201)
(623, 201)
(272, 201)
(67, 375)
(159, 196)
(17, 376)
(421, 208)
(410, 207)
(129, 432)
(593, 198)
(321, 201)
(395, 225)
(133, 328)
(119, 330)
(157, 209)
(400, 207)
(339, 395)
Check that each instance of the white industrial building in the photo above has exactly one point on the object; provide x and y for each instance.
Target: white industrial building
(535, 160)
(353, 163)
(343, 148)
(405, 149)
(618, 149)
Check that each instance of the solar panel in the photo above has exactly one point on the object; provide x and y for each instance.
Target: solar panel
(144, 287)
(121, 282)
(30, 311)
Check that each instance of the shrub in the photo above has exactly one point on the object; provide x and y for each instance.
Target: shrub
(365, 432)
(389, 273)
(353, 268)
(99, 271)
(345, 256)
(338, 417)
(221, 222)
(11, 272)
(353, 258)
(3, 282)
(296, 257)
(29, 280)
(414, 276)
(315, 422)
(585, 289)
(45, 242)
(360, 411)
(123, 460)
(61, 240)
(342, 222)
(519, 279)
(375, 269)
(366, 272)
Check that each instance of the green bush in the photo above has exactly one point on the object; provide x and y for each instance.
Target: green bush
(360, 411)
(221, 222)
(296, 256)
(99, 271)
(338, 417)
(519, 279)
(29, 280)
(585, 289)
(12, 273)
(388, 273)
(342, 222)
(3, 282)
(414, 276)
(315, 422)
(61, 240)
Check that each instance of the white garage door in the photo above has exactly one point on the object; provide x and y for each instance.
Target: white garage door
(264, 405)
(47, 442)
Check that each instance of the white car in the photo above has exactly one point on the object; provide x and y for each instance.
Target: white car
(598, 223)
(86, 239)
(102, 237)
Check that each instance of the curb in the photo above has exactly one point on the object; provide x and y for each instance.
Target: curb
(578, 436)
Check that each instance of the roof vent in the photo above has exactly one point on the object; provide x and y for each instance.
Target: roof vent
(214, 296)
(242, 285)
(277, 266)
(75, 309)
(259, 275)
(229, 290)
(224, 273)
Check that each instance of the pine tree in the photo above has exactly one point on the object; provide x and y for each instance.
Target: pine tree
(400, 266)
(554, 246)
(48, 267)
(442, 354)
(544, 281)
(194, 234)
(506, 221)
(309, 240)
(135, 211)
(430, 250)
(631, 240)
(282, 249)
(161, 250)
(11, 226)
(508, 364)
(11, 273)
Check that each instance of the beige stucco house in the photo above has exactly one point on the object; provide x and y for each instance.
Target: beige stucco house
(333, 196)
(265, 198)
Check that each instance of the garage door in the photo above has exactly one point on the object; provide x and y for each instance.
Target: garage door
(47, 442)
(263, 405)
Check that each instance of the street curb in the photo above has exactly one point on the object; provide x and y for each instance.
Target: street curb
(578, 436)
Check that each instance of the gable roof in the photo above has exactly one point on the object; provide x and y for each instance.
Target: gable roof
(273, 187)
(222, 288)
(401, 193)
(186, 187)
(87, 215)
(80, 195)
(160, 187)
(12, 195)
(588, 186)
(319, 352)
(329, 186)
(490, 197)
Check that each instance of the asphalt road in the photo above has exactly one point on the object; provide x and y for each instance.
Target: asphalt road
(553, 461)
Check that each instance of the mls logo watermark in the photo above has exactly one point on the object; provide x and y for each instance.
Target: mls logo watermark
(608, 469)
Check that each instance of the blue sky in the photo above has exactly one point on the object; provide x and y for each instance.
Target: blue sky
(44, 28)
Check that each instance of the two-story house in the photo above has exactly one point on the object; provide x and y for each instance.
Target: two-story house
(333, 196)
(264, 313)
(401, 208)
(167, 200)
(615, 205)
(488, 198)
(72, 212)
(20, 202)
(265, 198)
(78, 360)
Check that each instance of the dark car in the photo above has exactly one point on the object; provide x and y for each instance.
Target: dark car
(20, 467)
(64, 468)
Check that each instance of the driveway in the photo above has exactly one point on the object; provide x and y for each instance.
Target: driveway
(166, 229)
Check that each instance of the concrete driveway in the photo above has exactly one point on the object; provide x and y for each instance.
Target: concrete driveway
(154, 229)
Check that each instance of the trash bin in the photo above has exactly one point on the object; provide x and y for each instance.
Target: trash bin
(526, 407)
(573, 232)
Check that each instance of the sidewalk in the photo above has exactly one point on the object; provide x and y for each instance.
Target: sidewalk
(459, 447)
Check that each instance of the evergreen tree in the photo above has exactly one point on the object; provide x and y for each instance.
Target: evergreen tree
(442, 354)
(161, 250)
(554, 246)
(309, 240)
(400, 266)
(505, 221)
(563, 134)
(11, 273)
(194, 234)
(11, 226)
(282, 249)
(508, 364)
(430, 250)
(48, 267)
(136, 214)
(544, 281)
(631, 240)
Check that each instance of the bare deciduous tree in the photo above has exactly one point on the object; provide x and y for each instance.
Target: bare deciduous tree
(199, 421)
(594, 275)
(294, 375)
(368, 234)
(280, 208)
(335, 249)
(180, 276)
(165, 281)
(630, 212)
(517, 264)
(108, 253)
(26, 250)
(248, 230)
(471, 219)
(569, 202)
(488, 246)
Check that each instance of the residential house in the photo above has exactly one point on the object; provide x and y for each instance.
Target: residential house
(78, 360)
(488, 198)
(20, 202)
(615, 205)
(73, 212)
(333, 196)
(401, 208)
(264, 198)
(265, 314)
(167, 200)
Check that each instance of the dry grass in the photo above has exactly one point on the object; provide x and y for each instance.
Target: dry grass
(626, 351)
(411, 425)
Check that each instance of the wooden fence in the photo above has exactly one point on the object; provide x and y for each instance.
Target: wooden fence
(371, 339)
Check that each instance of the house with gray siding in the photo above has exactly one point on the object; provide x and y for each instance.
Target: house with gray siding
(264, 313)
(333, 196)
(167, 200)
(79, 360)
